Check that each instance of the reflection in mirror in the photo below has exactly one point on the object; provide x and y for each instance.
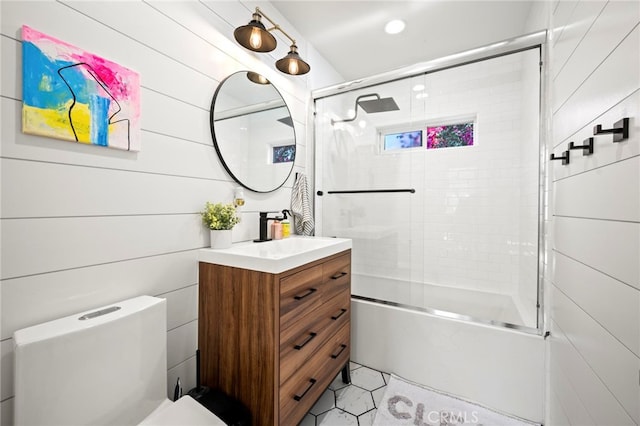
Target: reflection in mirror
(253, 131)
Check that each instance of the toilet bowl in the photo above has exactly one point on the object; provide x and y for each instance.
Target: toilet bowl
(185, 411)
(107, 366)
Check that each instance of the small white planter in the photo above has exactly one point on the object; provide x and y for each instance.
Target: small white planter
(220, 239)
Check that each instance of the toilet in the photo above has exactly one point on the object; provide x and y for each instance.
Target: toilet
(107, 366)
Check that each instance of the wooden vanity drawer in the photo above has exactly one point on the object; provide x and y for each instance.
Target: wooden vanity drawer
(250, 322)
(300, 293)
(336, 274)
(301, 391)
(300, 341)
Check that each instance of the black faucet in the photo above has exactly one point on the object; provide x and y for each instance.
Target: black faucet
(264, 220)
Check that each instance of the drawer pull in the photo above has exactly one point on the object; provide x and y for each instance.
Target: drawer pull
(335, 317)
(342, 348)
(309, 293)
(307, 340)
(311, 383)
(338, 275)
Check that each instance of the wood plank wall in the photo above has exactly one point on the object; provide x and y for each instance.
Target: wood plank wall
(593, 274)
(84, 226)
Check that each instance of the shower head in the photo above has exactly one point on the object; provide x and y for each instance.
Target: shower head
(379, 105)
(371, 106)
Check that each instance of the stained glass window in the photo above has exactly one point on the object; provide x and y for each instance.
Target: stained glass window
(451, 135)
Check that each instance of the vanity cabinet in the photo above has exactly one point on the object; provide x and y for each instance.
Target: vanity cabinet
(275, 341)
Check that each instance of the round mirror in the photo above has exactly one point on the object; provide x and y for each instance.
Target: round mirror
(253, 131)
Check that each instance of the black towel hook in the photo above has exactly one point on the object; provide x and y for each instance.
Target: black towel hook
(586, 147)
(564, 157)
(620, 130)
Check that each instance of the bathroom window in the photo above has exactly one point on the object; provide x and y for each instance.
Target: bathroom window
(283, 154)
(402, 140)
(450, 135)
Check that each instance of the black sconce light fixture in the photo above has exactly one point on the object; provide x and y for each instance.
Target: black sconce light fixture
(257, 38)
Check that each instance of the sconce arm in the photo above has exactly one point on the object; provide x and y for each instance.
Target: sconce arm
(275, 26)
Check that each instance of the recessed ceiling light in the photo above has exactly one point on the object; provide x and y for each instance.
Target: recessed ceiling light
(394, 27)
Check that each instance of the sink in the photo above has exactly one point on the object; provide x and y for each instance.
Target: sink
(275, 256)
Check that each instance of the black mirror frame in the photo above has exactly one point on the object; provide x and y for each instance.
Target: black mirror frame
(219, 152)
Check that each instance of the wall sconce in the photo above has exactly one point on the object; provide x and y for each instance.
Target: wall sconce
(257, 38)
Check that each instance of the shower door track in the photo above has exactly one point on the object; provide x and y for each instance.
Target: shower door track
(449, 315)
(494, 50)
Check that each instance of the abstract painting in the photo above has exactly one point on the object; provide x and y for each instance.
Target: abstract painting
(448, 136)
(74, 95)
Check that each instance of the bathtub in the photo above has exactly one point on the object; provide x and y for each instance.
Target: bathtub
(497, 366)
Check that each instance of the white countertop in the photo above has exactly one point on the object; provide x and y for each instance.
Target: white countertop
(275, 256)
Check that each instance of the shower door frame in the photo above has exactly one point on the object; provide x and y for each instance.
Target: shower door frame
(506, 47)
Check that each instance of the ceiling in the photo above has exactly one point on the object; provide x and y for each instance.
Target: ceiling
(350, 34)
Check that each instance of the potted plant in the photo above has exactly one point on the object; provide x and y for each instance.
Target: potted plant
(220, 219)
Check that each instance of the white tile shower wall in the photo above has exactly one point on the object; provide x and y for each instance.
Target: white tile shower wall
(85, 226)
(464, 225)
(594, 280)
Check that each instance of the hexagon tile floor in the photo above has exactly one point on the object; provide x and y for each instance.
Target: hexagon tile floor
(353, 404)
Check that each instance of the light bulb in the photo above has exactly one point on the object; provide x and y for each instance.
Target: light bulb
(293, 67)
(255, 39)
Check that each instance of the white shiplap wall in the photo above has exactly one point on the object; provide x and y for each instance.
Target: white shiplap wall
(84, 226)
(593, 278)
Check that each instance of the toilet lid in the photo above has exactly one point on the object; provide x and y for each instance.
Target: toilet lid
(184, 412)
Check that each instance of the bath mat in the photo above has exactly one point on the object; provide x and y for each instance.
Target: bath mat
(408, 403)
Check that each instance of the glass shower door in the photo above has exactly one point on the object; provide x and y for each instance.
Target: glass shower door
(440, 196)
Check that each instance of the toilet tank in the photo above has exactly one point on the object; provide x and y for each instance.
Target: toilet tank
(105, 366)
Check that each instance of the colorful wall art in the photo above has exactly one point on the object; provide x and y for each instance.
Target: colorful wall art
(448, 136)
(77, 96)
